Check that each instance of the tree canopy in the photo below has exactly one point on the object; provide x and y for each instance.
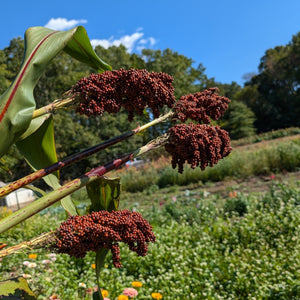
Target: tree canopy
(274, 93)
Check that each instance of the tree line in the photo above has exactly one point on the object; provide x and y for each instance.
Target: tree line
(268, 100)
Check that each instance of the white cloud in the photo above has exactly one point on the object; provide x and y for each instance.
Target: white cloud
(152, 41)
(129, 41)
(63, 23)
(143, 41)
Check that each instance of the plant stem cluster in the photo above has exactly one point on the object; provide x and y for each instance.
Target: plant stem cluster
(103, 229)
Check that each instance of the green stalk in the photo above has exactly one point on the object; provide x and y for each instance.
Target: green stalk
(65, 190)
(56, 104)
(43, 240)
(77, 157)
(100, 258)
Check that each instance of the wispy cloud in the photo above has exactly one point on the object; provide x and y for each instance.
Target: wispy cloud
(133, 42)
(63, 23)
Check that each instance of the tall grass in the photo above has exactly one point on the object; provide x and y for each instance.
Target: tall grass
(265, 159)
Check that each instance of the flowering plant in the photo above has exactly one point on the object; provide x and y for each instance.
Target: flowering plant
(190, 139)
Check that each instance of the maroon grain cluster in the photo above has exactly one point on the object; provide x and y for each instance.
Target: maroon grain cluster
(197, 144)
(131, 89)
(103, 229)
(201, 106)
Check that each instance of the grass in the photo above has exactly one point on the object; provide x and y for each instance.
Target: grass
(209, 246)
(266, 158)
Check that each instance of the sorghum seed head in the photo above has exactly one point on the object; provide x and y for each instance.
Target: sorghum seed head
(103, 229)
(201, 106)
(198, 145)
(131, 89)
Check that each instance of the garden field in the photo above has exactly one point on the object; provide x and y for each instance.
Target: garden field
(232, 239)
(209, 246)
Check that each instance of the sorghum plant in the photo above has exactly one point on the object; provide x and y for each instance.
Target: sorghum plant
(190, 139)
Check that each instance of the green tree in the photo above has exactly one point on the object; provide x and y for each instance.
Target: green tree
(14, 57)
(238, 120)
(275, 91)
(4, 73)
(187, 79)
(118, 57)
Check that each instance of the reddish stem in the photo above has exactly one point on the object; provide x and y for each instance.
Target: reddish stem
(63, 163)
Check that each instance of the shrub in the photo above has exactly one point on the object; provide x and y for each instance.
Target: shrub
(235, 206)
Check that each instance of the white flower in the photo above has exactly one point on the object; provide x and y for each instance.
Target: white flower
(51, 255)
(81, 284)
(31, 265)
(46, 261)
(26, 263)
(26, 275)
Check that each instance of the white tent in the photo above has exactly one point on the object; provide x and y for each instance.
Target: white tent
(17, 198)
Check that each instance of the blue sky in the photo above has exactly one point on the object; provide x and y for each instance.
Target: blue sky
(227, 37)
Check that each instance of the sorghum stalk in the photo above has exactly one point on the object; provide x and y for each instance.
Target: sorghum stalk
(77, 157)
(56, 104)
(45, 239)
(67, 189)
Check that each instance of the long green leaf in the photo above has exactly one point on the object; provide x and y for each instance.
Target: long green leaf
(41, 46)
(34, 125)
(39, 151)
(16, 288)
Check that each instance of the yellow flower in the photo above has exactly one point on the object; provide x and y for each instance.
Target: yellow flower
(93, 266)
(104, 293)
(156, 296)
(136, 284)
(122, 297)
(32, 256)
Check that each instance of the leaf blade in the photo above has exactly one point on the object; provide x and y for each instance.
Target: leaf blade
(42, 140)
(104, 194)
(41, 46)
(16, 288)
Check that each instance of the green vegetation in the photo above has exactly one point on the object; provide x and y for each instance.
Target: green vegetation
(266, 136)
(265, 159)
(273, 93)
(204, 249)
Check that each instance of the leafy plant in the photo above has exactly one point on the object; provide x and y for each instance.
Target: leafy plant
(236, 205)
